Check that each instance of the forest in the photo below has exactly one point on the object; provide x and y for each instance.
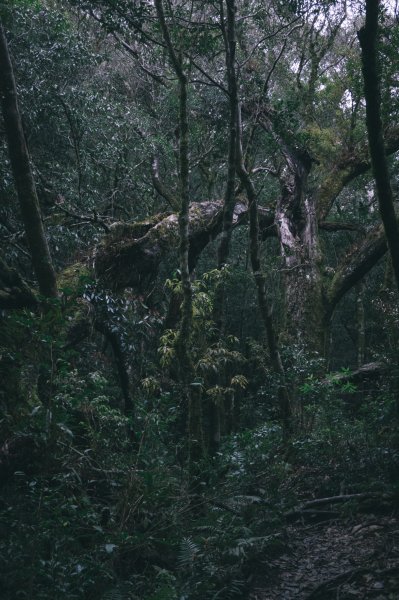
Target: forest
(199, 318)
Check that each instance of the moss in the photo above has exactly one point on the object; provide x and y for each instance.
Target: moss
(72, 280)
(132, 231)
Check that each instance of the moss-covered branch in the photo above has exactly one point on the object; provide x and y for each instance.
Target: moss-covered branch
(130, 256)
(358, 262)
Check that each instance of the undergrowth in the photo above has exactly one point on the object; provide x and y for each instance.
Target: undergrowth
(87, 511)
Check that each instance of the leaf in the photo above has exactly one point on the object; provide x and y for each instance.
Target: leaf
(65, 429)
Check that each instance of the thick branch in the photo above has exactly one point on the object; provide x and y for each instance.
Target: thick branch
(346, 169)
(368, 371)
(341, 226)
(131, 255)
(357, 263)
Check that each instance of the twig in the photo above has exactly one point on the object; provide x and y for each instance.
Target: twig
(223, 506)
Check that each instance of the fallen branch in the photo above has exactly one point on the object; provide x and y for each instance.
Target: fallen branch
(314, 513)
(367, 371)
(298, 511)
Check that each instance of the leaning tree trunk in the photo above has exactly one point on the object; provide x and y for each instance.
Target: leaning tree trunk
(22, 173)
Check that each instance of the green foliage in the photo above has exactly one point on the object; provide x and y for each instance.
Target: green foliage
(97, 501)
(210, 357)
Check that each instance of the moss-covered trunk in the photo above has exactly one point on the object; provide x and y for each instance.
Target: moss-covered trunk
(297, 228)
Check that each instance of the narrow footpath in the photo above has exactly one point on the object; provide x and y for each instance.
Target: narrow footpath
(345, 558)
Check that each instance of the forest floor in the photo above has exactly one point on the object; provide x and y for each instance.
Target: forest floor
(344, 558)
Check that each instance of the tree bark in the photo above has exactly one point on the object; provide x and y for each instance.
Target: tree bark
(183, 350)
(368, 37)
(229, 197)
(131, 254)
(14, 291)
(120, 362)
(360, 324)
(228, 30)
(265, 310)
(298, 232)
(23, 178)
(359, 260)
(297, 226)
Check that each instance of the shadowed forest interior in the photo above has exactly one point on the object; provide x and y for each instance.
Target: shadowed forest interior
(199, 318)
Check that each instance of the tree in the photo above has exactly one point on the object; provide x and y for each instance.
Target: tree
(303, 148)
(23, 177)
(368, 37)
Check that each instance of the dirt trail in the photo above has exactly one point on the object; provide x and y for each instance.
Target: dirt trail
(355, 558)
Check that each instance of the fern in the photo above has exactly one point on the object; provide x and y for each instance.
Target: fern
(189, 551)
(113, 594)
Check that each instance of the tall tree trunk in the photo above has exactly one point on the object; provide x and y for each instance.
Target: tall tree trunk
(229, 196)
(22, 173)
(186, 367)
(368, 37)
(215, 417)
(297, 230)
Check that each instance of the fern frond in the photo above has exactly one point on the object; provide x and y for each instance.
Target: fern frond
(188, 552)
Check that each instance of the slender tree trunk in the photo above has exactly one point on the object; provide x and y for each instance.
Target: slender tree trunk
(186, 367)
(361, 324)
(14, 291)
(368, 37)
(260, 281)
(215, 418)
(187, 372)
(23, 178)
(117, 349)
(229, 197)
